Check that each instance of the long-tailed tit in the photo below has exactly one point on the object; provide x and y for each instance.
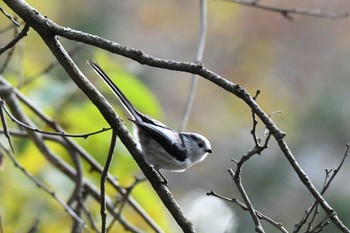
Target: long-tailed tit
(161, 146)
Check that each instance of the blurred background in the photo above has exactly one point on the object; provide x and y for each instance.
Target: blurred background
(300, 66)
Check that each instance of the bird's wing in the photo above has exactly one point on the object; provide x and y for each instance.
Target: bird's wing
(166, 137)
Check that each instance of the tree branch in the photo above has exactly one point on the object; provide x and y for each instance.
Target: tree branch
(43, 187)
(287, 11)
(9, 17)
(104, 175)
(237, 180)
(278, 225)
(17, 38)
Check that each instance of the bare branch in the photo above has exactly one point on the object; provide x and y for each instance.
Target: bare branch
(78, 188)
(89, 216)
(336, 170)
(103, 182)
(10, 54)
(2, 103)
(124, 200)
(17, 38)
(314, 207)
(237, 180)
(4, 125)
(278, 225)
(10, 17)
(319, 227)
(42, 186)
(288, 11)
(255, 123)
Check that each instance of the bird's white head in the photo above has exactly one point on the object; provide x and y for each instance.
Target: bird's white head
(197, 146)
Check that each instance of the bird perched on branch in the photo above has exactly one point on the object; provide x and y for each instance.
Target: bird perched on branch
(162, 147)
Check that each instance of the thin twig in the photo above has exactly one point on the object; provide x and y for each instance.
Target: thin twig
(86, 135)
(39, 184)
(89, 217)
(10, 54)
(336, 170)
(287, 11)
(6, 132)
(236, 176)
(124, 200)
(10, 17)
(237, 180)
(17, 38)
(278, 225)
(319, 227)
(14, 105)
(103, 182)
(199, 57)
(255, 123)
(78, 188)
(328, 181)
(259, 147)
(314, 213)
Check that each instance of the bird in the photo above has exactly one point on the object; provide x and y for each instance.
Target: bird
(162, 147)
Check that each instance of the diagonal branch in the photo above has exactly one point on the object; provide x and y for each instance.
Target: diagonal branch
(278, 225)
(328, 181)
(4, 125)
(17, 38)
(237, 180)
(43, 187)
(9, 17)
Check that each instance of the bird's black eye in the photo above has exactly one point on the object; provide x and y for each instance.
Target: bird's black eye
(200, 144)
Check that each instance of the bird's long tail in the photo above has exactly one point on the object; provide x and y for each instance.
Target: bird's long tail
(126, 103)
